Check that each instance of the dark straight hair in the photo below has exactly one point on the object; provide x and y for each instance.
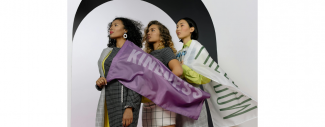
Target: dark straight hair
(191, 23)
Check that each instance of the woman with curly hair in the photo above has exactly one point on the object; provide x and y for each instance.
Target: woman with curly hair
(118, 104)
(158, 43)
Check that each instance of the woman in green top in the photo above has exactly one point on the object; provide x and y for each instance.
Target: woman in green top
(187, 31)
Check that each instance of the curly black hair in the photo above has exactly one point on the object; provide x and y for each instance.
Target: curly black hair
(134, 31)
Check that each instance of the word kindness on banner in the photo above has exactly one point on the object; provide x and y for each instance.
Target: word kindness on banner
(147, 76)
(176, 82)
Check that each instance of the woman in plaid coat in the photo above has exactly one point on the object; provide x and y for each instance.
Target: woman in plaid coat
(118, 106)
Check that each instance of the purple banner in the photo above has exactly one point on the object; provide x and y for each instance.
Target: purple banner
(146, 75)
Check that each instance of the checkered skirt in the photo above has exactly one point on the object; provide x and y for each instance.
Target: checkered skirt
(155, 116)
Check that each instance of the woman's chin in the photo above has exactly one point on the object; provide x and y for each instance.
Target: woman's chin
(150, 41)
(112, 37)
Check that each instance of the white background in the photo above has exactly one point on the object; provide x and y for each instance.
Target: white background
(34, 63)
(235, 23)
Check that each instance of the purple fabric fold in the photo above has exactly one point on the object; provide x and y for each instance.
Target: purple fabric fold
(146, 75)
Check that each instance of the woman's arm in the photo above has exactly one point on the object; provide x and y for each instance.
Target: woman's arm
(170, 60)
(133, 101)
(175, 67)
(194, 77)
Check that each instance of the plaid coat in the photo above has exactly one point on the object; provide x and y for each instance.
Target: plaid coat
(117, 96)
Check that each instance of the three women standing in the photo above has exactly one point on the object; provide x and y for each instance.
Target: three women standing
(122, 105)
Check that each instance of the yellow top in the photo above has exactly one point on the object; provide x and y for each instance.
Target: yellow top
(187, 44)
(192, 76)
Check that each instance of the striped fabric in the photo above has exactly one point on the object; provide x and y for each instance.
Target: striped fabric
(164, 55)
(228, 105)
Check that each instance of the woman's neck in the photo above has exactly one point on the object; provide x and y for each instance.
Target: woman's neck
(120, 42)
(186, 39)
(156, 45)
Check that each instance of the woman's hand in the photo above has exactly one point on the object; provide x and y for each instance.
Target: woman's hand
(127, 117)
(101, 82)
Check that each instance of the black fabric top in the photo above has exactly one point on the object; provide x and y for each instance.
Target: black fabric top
(164, 55)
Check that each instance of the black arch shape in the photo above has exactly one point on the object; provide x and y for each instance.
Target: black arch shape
(194, 9)
(176, 9)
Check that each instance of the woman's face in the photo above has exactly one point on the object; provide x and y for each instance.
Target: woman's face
(116, 30)
(153, 34)
(183, 30)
